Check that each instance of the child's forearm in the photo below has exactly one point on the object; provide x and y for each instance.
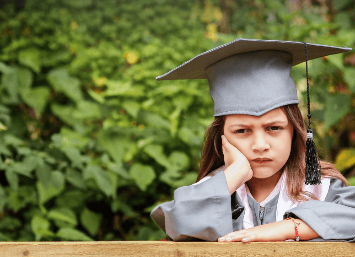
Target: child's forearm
(236, 175)
(305, 232)
(276, 231)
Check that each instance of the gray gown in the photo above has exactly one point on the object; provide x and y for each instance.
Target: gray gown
(207, 211)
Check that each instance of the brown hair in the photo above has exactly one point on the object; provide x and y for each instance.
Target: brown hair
(212, 156)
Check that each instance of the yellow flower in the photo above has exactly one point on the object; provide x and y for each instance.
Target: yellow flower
(212, 32)
(100, 81)
(218, 15)
(131, 58)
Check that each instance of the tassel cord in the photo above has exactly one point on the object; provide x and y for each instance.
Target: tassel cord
(312, 172)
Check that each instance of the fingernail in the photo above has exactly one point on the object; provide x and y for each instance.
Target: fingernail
(221, 239)
(245, 240)
(229, 239)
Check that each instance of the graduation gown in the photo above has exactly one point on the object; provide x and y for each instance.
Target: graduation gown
(206, 211)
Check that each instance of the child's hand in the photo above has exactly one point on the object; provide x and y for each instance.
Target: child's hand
(276, 231)
(232, 154)
(238, 169)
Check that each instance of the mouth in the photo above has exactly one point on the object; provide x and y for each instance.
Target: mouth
(262, 160)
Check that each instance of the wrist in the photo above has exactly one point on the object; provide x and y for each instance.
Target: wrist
(235, 176)
(293, 230)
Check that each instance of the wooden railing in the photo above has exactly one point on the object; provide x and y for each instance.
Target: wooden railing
(176, 249)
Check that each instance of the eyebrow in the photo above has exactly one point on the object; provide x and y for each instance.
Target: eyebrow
(265, 124)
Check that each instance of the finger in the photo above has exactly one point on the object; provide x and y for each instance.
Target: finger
(249, 238)
(232, 237)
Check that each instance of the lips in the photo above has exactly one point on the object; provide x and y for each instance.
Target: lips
(262, 160)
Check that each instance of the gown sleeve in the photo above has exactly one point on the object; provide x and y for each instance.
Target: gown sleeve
(333, 218)
(200, 211)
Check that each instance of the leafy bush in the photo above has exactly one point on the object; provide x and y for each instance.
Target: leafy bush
(90, 142)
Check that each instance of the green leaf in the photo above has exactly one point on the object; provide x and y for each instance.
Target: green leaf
(12, 179)
(55, 187)
(115, 88)
(64, 112)
(24, 79)
(143, 175)
(2, 198)
(157, 153)
(4, 150)
(90, 221)
(118, 169)
(21, 198)
(132, 108)
(9, 223)
(74, 156)
(74, 199)
(337, 60)
(114, 144)
(97, 97)
(87, 110)
(102, 179)
(337, 106)
(26, 167)
(43, 172)
(73, 138)
(37, 98)
(10, 82)
(344, 20)
(52, 58)
(12, 140)
(345, 159)
(63, 214)
(16, 80)
(62, 82)
(75, 178)
(155, 120)
(351, 181)
(40, 227)
(349, 77)
(72, 234)
(5, 68)
(179, 160)
(30, 57)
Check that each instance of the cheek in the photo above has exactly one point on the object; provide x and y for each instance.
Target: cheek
(241, 144)
(283, 146)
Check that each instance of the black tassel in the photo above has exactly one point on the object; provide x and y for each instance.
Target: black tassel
(312, 173)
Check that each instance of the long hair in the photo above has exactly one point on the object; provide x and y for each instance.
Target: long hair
(212, 156)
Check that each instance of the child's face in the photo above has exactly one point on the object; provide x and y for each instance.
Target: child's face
(268, 136)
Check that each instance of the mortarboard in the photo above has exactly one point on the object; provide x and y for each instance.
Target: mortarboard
(252, 76)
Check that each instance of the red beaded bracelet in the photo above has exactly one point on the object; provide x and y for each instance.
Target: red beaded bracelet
(296, 230)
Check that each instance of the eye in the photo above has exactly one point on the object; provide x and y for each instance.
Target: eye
(240, 131)
(274, 128)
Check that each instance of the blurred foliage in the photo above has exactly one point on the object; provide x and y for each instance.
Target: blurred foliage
(90, 142)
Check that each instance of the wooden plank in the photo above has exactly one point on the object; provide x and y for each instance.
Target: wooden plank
(174, 249)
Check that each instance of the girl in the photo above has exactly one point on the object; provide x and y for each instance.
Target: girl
(252, 184)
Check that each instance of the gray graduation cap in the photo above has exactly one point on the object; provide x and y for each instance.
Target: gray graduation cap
(252, 76)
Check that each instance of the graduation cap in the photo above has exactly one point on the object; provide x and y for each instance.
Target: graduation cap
(252, 76)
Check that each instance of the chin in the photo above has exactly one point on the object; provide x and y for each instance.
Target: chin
(261, 173)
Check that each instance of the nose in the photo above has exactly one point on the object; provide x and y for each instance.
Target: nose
(260, 143)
